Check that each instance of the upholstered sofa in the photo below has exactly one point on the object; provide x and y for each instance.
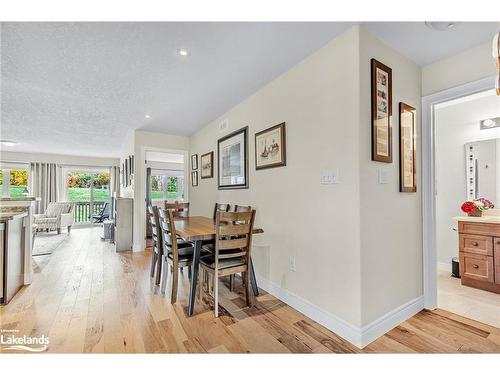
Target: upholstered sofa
(56, 216)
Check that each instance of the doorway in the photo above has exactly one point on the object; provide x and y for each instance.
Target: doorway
(165, 180)
(453, 126)
(89, 190)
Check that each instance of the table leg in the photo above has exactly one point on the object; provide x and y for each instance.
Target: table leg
(253, 280)
(194, 276)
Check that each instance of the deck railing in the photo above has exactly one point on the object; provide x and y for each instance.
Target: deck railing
(81, 211)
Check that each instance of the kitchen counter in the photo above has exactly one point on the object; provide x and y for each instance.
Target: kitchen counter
(10, 209)
(4, 216)
(13, 227)
(18, 199)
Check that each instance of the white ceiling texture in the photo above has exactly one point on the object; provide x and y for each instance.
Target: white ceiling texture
(78, 88)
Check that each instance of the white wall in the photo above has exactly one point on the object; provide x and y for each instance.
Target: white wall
(456, 125)
(391, 230)
(318, 225)
(468, 66)
(144, 141)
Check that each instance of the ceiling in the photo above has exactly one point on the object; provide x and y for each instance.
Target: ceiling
(471, 109)
(78, 88)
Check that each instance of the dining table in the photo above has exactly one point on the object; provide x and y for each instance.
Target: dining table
(200, 229)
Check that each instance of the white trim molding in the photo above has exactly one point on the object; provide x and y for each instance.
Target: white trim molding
(429, 180)
(358, 336)
(372, 331)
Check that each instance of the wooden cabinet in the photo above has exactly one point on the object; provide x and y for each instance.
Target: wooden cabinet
(479, 247)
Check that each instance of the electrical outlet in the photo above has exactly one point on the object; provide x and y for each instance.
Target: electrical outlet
(291, 264)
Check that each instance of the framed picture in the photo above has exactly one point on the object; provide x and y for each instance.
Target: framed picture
(207, 165)
(270, 147)
(126, 172)
(407, 147)
(194, 162)
(381, 88)
(232, 156)
(194, 178)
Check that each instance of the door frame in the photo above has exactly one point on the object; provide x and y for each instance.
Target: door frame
(429, 179)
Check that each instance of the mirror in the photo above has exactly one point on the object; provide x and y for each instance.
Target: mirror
(482, 164)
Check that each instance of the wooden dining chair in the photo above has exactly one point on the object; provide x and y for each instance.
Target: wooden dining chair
(233, 242)
(180, 209)
(156, 258)
(221, 207)
(176, 253)
(238, 208)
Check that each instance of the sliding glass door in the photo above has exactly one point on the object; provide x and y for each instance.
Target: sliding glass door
(90, 192)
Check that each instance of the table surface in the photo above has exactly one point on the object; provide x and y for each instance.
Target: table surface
(195, 228)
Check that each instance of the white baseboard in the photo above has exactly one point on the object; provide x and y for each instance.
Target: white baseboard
(342, 328)
(385, 323)
(358, 336)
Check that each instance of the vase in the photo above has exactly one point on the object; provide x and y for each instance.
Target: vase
(475, 213)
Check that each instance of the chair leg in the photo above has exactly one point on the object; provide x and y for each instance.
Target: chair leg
(69, 228)
(231, 282)
(248, 294)
(175, 283)
(58, 230)
(158, 270)
(153, 264)
(189, 273)
(216, 294)
(165, 275)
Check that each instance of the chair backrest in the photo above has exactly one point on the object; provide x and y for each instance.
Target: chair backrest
(106, 209)
(55, 209)
(169, 234)
(242, 208)
(221, 207)
(233, 230)
(180, 209)
(154, 220)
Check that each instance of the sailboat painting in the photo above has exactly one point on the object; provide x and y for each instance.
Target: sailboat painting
(270, 147)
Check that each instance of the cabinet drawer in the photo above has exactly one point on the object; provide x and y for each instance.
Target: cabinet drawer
(487, 229)
(496, 259)
(474, 244)
(477, 267)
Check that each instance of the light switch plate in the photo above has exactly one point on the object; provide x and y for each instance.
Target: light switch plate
(329, 177)
(382, 176)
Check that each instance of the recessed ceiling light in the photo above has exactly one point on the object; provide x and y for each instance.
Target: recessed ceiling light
(490, 123)
(441, 26)
(147, 116)
(183, 52)
(5, 142)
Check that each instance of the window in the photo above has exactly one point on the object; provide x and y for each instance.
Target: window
(167, 185)
(16, 184)
(89, 190)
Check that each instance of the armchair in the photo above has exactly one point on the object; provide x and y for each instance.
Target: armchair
(56, 216)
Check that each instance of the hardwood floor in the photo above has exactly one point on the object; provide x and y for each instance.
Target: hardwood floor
(88, 299)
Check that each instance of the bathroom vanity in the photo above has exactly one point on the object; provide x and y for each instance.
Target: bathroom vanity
(479, 251)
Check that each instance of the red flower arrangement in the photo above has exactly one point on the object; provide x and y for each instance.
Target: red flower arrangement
(468, 207)
(476, 207)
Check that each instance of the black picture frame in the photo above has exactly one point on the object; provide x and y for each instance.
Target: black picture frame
(221, 185)
(194, 178)
(194, 162)
(209, 155)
